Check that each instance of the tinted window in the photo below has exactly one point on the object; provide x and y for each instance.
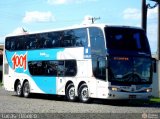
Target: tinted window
(126, 39)
(130, 70)
(98, 53)
(53, 68)
(68, 38)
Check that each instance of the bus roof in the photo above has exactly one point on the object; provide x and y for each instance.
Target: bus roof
(73, 27)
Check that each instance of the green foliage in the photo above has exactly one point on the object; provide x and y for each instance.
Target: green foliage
(155, 100)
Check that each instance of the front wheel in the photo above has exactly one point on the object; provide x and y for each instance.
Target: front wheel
(83, 94)
(26, 89)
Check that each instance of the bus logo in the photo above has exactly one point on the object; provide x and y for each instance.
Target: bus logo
(19, 61)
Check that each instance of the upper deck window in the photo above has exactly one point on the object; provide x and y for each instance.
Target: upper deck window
(56, 39)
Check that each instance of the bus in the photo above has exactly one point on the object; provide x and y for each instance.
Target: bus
(84, 62)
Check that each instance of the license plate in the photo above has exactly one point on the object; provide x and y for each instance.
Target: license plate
(132, 96)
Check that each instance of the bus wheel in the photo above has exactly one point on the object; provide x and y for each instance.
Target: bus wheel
(70, 92)
(26, 89)
(19, 89)
(83, 93)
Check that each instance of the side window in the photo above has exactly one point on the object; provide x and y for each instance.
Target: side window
(50, 68)
(55, 39)
(35, 67)
(61, 68)
(8, 44)
(11, 43)
(26, 43)
(45, 40)
(98, 53)
(15, 43)
(70, 68)
(38, 42)
(55, 68)
(97, 41)
(67, 39)
(80, 37)
(20, 43)
(43, 68)
(99, 68)
(32, 42)
(74, 38)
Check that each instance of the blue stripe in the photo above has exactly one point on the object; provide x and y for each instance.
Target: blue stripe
(46, 84)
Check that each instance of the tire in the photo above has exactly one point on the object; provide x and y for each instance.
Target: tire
(70, 92)
(26, 89)
(83, 94)
(19, 89)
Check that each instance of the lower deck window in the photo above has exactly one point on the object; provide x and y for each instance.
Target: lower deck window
(53, 68)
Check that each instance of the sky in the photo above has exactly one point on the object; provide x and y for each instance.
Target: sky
(40, 15)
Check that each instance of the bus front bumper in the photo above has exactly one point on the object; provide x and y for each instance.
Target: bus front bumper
(129, 95)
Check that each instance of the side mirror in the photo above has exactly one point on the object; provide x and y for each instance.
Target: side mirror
(154, 65)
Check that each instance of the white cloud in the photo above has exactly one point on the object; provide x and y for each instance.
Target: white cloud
(36, 16)
(152, 13)
(135, 14)
(132, 13)
(53, 2)
(58, 1)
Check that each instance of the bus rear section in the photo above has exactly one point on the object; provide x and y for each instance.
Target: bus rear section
(129, 63)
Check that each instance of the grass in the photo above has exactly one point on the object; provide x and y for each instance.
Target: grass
(154, 100)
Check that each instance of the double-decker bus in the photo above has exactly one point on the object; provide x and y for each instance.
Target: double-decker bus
(92, 61)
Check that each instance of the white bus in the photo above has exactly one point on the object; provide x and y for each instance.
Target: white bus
(94, 61)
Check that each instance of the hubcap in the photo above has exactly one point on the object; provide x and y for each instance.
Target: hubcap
(19, 89)
(84, 93)
(26, 90)
(72, 93)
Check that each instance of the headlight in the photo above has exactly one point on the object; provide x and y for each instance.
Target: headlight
(149, 90)
(114, 89)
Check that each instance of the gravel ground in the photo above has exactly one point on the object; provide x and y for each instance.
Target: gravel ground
(10, 103)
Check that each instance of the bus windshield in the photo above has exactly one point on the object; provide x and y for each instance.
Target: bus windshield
(122, 38)
(128, 55)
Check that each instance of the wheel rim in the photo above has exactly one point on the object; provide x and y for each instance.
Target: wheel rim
(18, 89)
(71, 93)
(84, 94)
(26, 90)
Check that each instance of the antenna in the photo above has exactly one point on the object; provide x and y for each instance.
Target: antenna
(93, 19)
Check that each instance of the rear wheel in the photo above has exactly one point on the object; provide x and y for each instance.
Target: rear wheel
(19, 89)
(83, 94)
(26, 89)
(70, 92)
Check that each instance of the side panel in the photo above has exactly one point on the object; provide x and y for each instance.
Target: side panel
(18, 69)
